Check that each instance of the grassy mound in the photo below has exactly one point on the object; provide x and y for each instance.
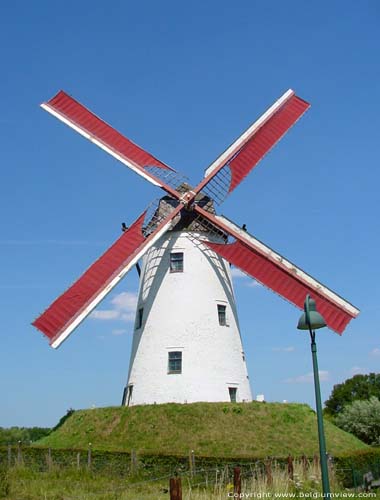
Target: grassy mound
(210, 429)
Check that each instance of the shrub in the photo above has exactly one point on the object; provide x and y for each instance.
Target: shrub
(359, 387)
(63, 419)
(362, 418)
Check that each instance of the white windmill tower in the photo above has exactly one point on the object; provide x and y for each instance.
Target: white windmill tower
(187, 345)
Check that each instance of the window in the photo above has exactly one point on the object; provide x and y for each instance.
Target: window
(176, 262)
(233, 393)
(222, 315)
(139, 318)
(129, 397)
(175, 362)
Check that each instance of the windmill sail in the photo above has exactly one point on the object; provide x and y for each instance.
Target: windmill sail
(277, 273)
(86, 123)
(178, 211)
(231, 167)
(74, 305)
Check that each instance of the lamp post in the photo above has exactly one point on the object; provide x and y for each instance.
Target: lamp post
(311, 320)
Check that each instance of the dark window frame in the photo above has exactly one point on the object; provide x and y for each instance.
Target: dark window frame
(233, 394)
(129, 394)
(175, 362)
(139, 319)
(176, 262)
(222, 314)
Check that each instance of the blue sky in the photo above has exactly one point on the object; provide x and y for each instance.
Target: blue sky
(183, 79)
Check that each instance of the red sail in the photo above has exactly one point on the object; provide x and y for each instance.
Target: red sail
(227, 171)
(282, 281)
(81, 119)
(265, 138)
(72, 302)
(70, 309)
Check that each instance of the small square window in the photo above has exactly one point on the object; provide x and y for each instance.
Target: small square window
(222, 315)
(176, 262)
(175, 362)
(139, 318)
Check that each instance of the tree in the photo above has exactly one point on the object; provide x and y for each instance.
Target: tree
(63, 419)
(362, 418)
(359, 387)
(13, 435)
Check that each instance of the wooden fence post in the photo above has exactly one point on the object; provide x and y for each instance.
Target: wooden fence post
(19, 453)
(290, 468)
(237, 480)
(175, 487)
(78, 460)
(133, 462)
(89, 456)
(192, 463)
(9, 455)
(268, 471)
(48, 459)
(330, 462)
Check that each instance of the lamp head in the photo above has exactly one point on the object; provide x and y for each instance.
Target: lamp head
(310, 319)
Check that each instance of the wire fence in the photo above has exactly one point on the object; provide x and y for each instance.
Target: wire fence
(195, 474)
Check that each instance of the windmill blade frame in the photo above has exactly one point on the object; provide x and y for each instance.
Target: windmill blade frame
(66, 313)
(234, 164)
(221, 178)
(278, 274)
(85, 122)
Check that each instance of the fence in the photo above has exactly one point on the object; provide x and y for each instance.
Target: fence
(123, 463)
(197, 472)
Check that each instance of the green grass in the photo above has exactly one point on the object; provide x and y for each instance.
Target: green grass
(70, 484)
(210, 429)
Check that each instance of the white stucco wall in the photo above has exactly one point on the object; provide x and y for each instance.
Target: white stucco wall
(180, 314)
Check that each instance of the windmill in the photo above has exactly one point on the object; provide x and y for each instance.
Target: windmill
(187, 345)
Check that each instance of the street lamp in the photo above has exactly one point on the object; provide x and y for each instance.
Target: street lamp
(311, 320)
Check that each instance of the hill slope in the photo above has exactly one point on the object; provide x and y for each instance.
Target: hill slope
(210, 429)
